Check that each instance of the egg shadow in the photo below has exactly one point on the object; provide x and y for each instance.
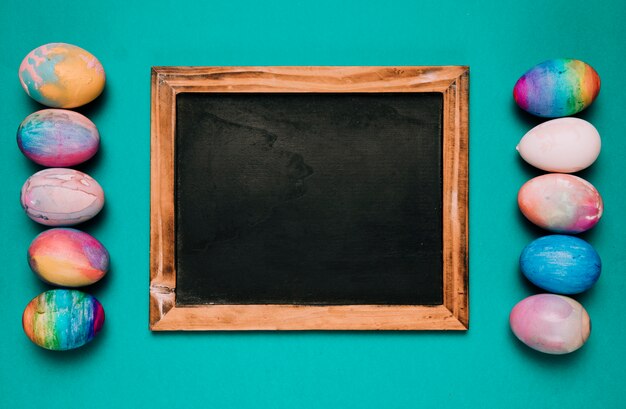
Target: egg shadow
(94, 107)
(33, 106)
(524, 118)
(93, 163)
(529, 170)
(95, 223)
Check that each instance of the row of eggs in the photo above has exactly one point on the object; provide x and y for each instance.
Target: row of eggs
(558, 202)
(62, 75)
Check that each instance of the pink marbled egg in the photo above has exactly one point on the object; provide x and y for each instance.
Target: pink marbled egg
(560, 203)
(61, 197)
(550, 323)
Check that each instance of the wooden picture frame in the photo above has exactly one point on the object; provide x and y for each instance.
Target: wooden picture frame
(168, 82)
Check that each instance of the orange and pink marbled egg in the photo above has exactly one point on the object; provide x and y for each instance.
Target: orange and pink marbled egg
(68, 257)
(560, 203)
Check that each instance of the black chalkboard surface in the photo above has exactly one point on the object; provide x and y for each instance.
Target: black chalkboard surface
(309, 198)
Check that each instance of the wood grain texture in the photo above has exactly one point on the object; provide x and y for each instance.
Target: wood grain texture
(167, 82)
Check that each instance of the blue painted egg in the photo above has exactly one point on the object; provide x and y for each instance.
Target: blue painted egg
(561, 264)
(58, 138)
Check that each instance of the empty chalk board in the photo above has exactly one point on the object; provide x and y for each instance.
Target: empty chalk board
(279, 205)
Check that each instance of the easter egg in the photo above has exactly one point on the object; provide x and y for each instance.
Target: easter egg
(561, 264)
(560, 203)
(62, 319)
(562, 145)
(550, 323)
(556, 88)
(58, 138)
(68, 257)
(61, 197)
(61, 75)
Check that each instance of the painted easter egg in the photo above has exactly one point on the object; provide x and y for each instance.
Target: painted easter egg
(556, 88)
(550, 323)
(560, 203)
(68, 257)
(62, 319)
(61, 75)
(58, 138)
(561, 264)
(562, 145)
(61, 197)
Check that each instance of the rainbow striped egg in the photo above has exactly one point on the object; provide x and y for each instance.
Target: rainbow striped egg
(62, 319)
(68, 257)
(556, 88)
(560, 203)
(58, 138)
(61, 75)
(549, 323)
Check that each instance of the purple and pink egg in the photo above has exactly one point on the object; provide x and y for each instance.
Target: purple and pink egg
(550, 323)
(58, 138)
(68, 257)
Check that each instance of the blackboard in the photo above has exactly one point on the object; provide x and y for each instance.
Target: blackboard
(309, 198)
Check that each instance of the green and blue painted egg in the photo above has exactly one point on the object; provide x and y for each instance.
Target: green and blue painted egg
(62, 319)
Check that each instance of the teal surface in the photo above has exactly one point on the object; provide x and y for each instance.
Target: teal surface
(129, 367)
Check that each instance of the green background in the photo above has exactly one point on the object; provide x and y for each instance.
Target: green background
(128, 366)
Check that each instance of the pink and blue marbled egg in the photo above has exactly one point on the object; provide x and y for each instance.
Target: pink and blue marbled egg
(68, 257)
(561, 264)
(62, 319)
(560, 203)
(58, 138)
(61, 75)
(550, 323)
(556, 88)
(61, 197)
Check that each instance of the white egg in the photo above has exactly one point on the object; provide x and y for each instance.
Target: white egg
(563, 145)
